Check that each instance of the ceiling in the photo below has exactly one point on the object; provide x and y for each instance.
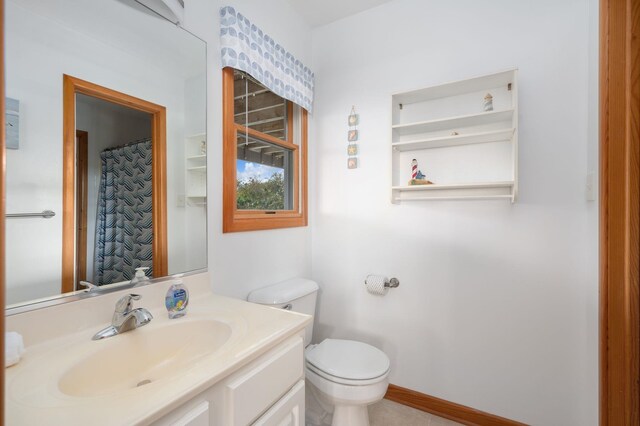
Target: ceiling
(318, 13)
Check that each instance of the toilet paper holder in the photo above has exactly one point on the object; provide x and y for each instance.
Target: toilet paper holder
(392, 283)
(388, 283)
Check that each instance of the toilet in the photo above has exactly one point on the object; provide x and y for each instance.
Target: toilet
(342, 377)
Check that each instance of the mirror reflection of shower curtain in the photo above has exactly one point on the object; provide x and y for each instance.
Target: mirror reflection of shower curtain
(124, 224)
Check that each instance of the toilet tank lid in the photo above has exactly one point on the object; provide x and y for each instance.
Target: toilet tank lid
(283, 292)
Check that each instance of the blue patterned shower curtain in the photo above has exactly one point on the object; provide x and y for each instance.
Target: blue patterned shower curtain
(124, 225)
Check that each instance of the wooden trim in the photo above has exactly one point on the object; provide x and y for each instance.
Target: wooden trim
(68, 182)
(448, 410)
(619, 212)
(72, 86)
(3, 163)
(82, 154)
(304, 129)
(234, 220)
(271, 139)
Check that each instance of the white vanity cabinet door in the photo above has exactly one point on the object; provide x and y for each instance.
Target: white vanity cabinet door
(288, 411)
(197, 412)
(254, 389)
(197, 416)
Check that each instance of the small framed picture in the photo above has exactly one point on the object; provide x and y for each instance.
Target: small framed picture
(353, 135)
(352, 149)
(353, 119)
(352, 163)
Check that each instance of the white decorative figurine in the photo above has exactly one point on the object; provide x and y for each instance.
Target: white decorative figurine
(488, 102)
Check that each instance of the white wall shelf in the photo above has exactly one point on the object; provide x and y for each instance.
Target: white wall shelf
(476, 190)
(196, 170)
(503, 135)
(453, 123)
(466, 152)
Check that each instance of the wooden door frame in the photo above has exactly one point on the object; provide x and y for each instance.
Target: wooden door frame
(82, 139)
(619, 212)
(71, 87)
(3, 168)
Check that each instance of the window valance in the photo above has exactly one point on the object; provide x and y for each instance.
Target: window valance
(246, 47)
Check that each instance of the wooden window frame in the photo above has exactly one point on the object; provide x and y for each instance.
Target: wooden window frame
(236, 220)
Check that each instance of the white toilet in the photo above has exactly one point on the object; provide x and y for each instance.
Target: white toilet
(345, 376)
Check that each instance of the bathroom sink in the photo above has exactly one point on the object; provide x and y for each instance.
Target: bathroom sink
(143, 356)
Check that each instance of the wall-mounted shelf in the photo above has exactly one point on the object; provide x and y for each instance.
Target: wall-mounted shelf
(196, 170)
(200, 169)
(467, 120)
(467, 153)
(476, 190)
(465, 139)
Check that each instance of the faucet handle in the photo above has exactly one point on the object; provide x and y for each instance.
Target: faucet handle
(89, 286)
(125, 303)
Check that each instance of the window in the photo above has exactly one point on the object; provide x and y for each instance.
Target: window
(265, 157)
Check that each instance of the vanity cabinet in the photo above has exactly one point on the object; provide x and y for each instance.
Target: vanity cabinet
(267, 391)
(462, 136)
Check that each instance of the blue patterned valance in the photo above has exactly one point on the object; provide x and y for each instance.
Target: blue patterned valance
(246, 47)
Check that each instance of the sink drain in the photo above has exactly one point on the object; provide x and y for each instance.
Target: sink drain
(142, 383)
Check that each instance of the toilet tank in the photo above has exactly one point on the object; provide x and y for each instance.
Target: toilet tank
(297, 295)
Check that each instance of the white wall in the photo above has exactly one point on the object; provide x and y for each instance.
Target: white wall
(242, 261)
(34, 76)
(497, 307)
(107, 125)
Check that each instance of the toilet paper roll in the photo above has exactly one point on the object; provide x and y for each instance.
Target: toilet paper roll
(375, 284)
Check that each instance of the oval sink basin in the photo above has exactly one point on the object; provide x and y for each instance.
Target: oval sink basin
(146, 355)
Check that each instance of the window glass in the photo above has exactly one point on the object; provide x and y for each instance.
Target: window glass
(258, 108)
(264, 175)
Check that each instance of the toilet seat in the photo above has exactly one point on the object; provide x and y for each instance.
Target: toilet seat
(347, 362)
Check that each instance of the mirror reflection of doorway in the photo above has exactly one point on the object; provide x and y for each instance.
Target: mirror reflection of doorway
(82, 169)
(114, 215)
(113, 191)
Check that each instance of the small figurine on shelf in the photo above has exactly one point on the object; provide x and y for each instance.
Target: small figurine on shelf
(488, 102)
(417, 177)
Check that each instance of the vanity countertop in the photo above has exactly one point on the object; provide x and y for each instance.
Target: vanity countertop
(34, 395)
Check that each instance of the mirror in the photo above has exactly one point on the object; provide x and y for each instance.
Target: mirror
(106, 146)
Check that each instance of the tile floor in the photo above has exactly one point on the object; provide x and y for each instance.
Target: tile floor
(389, 413)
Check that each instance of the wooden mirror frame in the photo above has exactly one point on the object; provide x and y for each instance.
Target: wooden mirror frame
(71, 87)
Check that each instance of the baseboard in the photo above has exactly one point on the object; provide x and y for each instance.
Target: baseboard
(449, 410)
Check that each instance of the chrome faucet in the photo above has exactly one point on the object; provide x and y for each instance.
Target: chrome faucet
(125, 318)
(90, 287)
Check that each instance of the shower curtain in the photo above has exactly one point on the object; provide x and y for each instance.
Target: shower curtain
(124, 223)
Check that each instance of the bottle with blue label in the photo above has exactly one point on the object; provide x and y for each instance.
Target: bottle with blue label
(177, 299)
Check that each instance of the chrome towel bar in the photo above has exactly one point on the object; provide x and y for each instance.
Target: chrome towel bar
(47, 214)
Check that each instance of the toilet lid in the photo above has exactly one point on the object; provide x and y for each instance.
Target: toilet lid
(348, 359)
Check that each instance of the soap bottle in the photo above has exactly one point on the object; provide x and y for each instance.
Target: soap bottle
(177, 299)
(141, 276)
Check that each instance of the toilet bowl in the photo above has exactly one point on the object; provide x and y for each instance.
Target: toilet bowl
(347, 375)
(342, 377)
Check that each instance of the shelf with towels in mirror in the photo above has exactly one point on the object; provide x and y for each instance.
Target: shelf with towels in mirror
(196, 170)
(462, 135)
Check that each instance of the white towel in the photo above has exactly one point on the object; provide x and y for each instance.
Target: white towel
(13, 348)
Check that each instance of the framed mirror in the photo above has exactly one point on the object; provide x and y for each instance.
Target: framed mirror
(106, 153)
